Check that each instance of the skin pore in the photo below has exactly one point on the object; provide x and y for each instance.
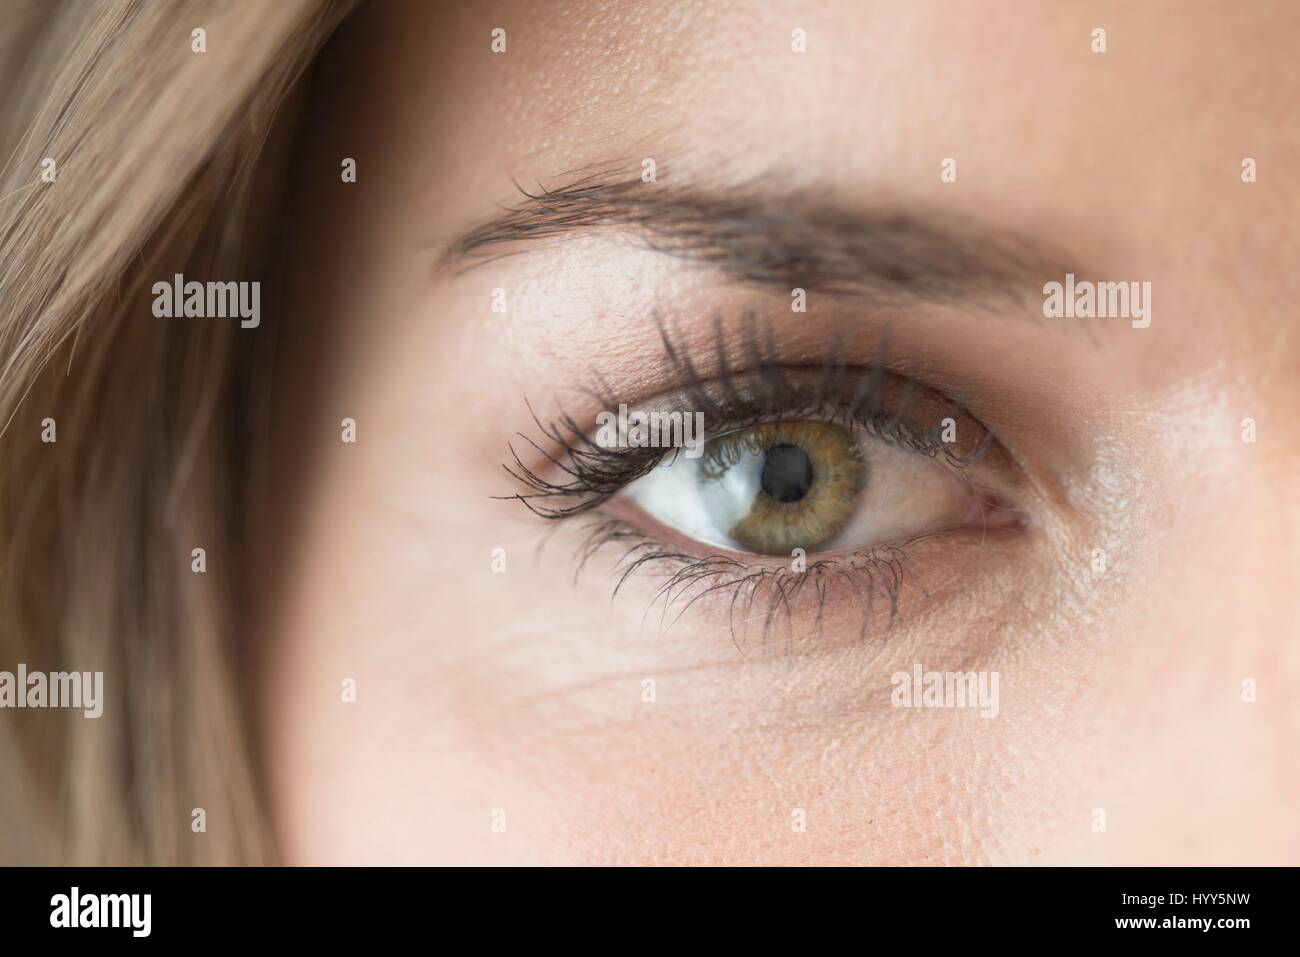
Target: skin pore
(519, 695)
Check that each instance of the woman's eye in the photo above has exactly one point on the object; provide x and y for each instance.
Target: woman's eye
(819, 486)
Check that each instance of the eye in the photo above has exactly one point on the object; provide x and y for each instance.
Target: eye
(820, 486)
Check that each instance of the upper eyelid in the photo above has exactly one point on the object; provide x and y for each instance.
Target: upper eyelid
(741, 386)
(812, 390)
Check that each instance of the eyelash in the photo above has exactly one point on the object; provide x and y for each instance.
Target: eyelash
(593, 474)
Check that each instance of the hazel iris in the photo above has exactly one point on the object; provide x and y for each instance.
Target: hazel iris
(791, 484)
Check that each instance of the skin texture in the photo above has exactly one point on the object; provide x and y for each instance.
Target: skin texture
(522, 692)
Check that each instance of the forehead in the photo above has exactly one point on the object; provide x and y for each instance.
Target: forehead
(876, 83)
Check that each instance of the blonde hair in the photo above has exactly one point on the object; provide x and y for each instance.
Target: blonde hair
(164, 161)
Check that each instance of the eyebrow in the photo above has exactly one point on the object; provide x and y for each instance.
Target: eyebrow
(759, 234)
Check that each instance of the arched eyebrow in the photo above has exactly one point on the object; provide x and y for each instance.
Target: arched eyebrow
(759, 234)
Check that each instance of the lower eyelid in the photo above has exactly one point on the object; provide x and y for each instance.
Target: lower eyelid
(855, 595)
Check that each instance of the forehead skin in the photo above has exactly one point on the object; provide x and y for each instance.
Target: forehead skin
(1131, 158)
(477, 694)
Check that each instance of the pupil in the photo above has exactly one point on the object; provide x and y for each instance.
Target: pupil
(787, 473)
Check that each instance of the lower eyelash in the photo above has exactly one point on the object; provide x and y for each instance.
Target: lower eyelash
(874, 578)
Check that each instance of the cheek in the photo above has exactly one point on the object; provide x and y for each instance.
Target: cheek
(765, 771)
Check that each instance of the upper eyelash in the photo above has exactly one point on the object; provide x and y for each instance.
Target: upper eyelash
(593, 473)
